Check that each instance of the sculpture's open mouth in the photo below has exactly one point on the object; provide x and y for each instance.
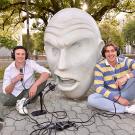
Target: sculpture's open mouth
(66, 81)
(67, 84)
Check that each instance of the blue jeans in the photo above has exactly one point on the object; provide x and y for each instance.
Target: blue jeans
(100, 102)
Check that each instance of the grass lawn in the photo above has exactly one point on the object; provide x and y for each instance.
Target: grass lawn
(2, 72)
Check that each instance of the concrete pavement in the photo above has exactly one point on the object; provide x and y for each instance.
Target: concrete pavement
(76, 110)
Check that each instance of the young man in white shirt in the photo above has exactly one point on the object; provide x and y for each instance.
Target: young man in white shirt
(19, 82)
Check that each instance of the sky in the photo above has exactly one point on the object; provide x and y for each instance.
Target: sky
(121, 17)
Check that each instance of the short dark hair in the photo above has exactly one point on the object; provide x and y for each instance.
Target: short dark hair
(16, 48)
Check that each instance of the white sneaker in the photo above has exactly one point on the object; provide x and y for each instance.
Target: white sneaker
(19, 106)
(130, 109)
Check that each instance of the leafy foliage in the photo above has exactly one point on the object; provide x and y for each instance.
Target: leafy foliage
(2, 72)
(110, 32)
(43, 9)
(129, 32)
(13, 13)
(7, 42)
(25, 40)
(38, 41)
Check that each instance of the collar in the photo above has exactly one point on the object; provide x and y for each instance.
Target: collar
(13, 64)
(107, 63)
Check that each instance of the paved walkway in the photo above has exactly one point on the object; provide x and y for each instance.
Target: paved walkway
(77, 110)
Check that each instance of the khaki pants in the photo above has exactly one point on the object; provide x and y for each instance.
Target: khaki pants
(10, 100)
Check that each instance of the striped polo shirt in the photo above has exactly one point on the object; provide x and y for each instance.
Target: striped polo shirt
(105, 75)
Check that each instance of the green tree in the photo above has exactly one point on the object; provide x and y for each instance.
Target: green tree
(8, 35)
(129, 32)
(24, 40)
(110, 32)
(6, 39)
(38, 42)
(11, 10)
(7, 42)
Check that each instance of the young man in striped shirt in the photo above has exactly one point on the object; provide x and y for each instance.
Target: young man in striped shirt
(114, 82)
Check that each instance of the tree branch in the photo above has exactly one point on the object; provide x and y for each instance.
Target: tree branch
(55, 4)
(98, 15)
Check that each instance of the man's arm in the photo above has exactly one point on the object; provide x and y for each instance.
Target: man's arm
(11, 86)
(99, 84)
(131, 67)
(43, 77)
(121, 81)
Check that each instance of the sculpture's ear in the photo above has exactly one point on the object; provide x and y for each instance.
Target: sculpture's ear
(100, 47)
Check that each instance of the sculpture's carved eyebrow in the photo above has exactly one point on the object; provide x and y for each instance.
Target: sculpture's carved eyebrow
(69, 44)
(60, 30)
(78, 41)
(49, 43)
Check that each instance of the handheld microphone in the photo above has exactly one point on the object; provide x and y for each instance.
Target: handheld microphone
(21, 72)
(115, 78)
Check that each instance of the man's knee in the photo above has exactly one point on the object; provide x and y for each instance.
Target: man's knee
(6, 100)
(92, 98)
(9, 103)
(41, 87)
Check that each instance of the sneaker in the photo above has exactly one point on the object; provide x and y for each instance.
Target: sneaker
(19, 106)
(130, 109)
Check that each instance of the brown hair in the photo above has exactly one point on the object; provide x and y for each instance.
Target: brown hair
(110, 44)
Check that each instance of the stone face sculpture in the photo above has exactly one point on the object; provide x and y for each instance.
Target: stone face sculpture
(73, 44)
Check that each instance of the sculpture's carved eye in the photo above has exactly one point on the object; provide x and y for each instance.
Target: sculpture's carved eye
(55, 51)
(52, 51)
(76, 45)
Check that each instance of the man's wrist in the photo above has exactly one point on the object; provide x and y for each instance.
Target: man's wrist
(128, 76)
(13, 81)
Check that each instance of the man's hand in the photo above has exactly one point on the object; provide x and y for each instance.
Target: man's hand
(122, 100)
(32, 91)
(14, 80)
(43, 77)
(121, 81)
(17, 78)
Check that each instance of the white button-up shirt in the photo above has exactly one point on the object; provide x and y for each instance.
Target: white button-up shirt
(29, 69)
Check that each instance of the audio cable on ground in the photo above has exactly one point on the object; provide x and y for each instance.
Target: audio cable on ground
(49, 127)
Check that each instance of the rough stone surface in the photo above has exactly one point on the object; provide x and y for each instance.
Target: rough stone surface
(78, 111)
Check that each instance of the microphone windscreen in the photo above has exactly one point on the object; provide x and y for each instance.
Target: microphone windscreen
(21, 70)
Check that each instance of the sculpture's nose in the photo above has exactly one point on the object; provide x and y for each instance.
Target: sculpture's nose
(62, 62)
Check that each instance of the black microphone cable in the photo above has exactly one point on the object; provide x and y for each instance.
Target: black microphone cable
(59, 126)
(56, 114)
(46, 128)
(115, 101)
(108, 114)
